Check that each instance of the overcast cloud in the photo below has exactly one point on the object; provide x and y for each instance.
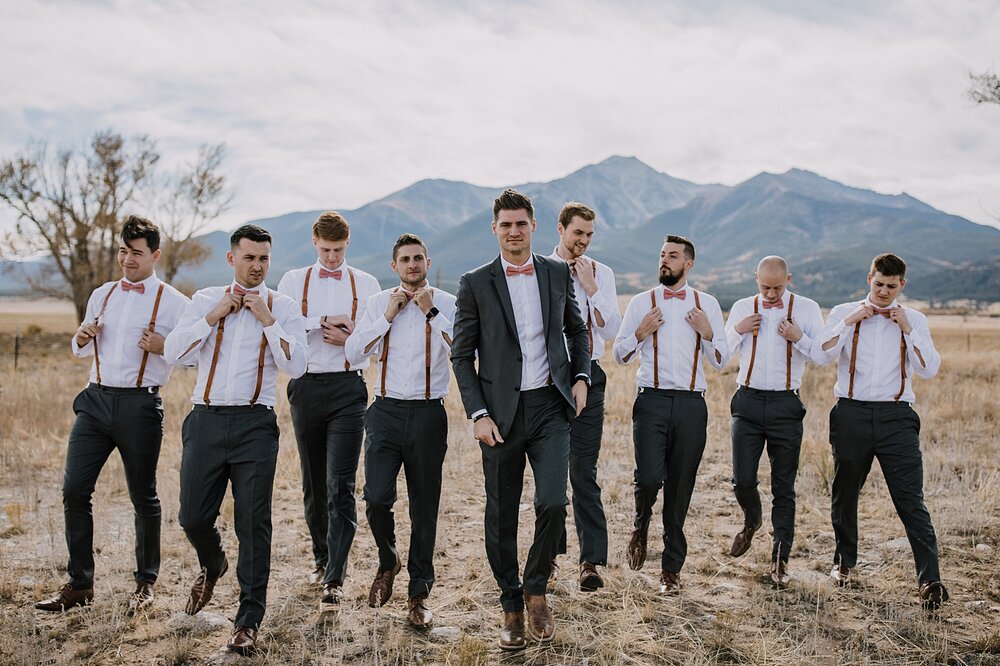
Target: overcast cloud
(333, 104)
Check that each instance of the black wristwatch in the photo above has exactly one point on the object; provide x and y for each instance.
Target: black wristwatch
(433, 312)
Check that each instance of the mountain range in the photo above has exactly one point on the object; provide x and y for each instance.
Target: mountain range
(828, 231)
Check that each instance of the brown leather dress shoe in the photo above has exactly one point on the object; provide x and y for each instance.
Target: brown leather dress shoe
(670, 582)
(316, 575)
(779, 573)
(742, 540)
(512, 631)
(933, 594)
(841, 575)
(67, 597)
(201, 591)
(541, 626)
(243, 640)
(142, 597)
(381, 588)
(333, 593)
(418, 614)
(590, 580)
(637, 549)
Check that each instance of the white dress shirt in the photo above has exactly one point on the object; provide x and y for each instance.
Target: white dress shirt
(604, 300)
(527, 303)
(125, 317)
(770, 366)
(236, 369)
(676, 340)
(328, 297)
(405, 368)
(877, 375)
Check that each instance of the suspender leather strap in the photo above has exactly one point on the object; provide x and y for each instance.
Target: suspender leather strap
(753, 348)
(385, 357)
(305, 293)
(215, 357)
(854, 359)
(354, 307)
(902, 366)
(260, 358)
(590, 328)
(151, 327)
(427, 361)
(97, 355)
(656, 348)
(697, 344)
(788, 347)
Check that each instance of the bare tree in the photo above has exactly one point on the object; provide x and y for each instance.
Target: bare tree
(197, 197)
(69, 207)
(985, 88)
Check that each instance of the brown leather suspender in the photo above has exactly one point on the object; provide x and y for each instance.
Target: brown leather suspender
(753, 348)
(215, 356)
(384, 358)
(97, 356)
(590, 329)
(354, 308)
(697, 344)
(788, 347)
(656, 348)
(151, 327)
(305, 293)
(854, 358)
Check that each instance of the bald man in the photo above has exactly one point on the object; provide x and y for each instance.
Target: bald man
(772, 332)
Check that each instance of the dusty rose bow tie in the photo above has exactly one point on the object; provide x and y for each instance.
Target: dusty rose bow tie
(240, 291)
(128, 286)
(667, 294)
(527, 269)
(885, 312)
(777, 304)
(336, 275)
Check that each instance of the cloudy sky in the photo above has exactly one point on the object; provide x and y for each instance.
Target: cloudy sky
(333, 104)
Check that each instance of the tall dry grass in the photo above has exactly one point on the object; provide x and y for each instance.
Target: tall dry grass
(727, 613)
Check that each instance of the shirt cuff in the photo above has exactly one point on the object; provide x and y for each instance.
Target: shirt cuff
(478, 413)
(200, 329)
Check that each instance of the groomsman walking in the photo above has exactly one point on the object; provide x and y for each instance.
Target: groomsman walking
(239, 335)
(120, 408)
(772, 333)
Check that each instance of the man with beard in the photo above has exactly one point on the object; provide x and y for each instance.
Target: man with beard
(772, 333)
(328, 402)
(120, 409)
(880, 345)
(520, 384)
(408, 329)
(594, 288)
(670, 329)
(240, 335)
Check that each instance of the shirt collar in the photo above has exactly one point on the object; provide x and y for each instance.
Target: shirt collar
(529, 262)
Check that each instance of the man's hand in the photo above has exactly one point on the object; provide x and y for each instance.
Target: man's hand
(336, 329)
(698, 320)
(749, 323)
(789, 330)
(424, 298)
(397, 301)
(863, 312)
(652, 321)
(87, 332)
(579, 392)
(151, 342)
(486, 431)
(258, 308)
(585, 274)
(898, 315)
(228, 304)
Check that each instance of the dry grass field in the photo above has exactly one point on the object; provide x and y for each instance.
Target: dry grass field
(726, 613)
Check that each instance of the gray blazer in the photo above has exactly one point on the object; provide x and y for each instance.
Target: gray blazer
(484, 323)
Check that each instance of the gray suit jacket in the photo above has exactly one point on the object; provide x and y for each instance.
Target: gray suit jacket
(484, 323)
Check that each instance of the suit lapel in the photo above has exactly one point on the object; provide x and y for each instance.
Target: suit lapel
(544, 279)
(503, 294)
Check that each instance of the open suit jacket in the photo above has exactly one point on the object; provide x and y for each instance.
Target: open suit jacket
(484, 323)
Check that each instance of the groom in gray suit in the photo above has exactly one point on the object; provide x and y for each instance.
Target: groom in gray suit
(520, 315)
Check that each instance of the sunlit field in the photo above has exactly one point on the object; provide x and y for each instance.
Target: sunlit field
(727, 611)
